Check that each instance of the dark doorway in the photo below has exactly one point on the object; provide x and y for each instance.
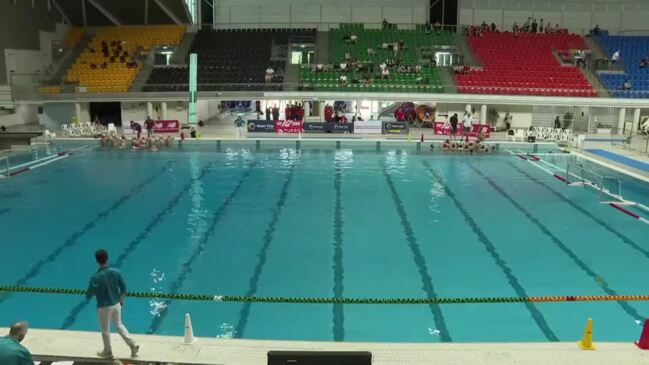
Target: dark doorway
(107, 112)
(444, 11)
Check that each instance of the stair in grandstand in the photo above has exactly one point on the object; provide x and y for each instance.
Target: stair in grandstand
(322, 48)
(595, 81)
(448, 81)
(291, 76)
(181, 54)
(56, 72)
(463, 49)
(142, 77)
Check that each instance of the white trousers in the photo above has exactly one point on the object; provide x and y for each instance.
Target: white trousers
(114, 314)
(240, 132)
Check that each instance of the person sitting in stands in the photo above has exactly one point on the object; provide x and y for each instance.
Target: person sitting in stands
(352, 38)
(343, 66)
(419, 80)
(385, 24)
(319, 67)
(626, 85)
(644, 63)
(596, 29)
(385, 46)
(269, 74)
(370, 51)
(343, 79)
(389, 62)
(385, 73)
(615, 57)
(548, 28)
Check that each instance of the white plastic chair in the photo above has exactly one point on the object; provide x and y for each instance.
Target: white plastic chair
(111, 128)
(519, 135)
(511, 136)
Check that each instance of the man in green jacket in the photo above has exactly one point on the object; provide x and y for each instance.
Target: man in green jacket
(108, 286)
(11, 351)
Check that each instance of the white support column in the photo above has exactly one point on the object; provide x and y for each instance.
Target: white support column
(636, 119)
(146, 12)
(321, 110)
(163, 110)
(149, 109)
(483, 114)
(83, 13)
(77, 112)
(620, 120)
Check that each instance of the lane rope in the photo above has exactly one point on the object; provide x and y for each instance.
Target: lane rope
(322, 300)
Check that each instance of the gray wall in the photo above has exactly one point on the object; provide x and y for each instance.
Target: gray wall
(20, 25)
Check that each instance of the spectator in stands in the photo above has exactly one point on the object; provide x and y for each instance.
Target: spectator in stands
(516, 29)
(319, 67)
(527, 24)
(484, 26)
(548, 28)
(353, 38)
(343, 79)
(541, 26)
(370, 52)
(493, 27)
(419, 80)
(395, 49)
(644, 62)
(557, 123)
(108, 286)
(367, 79)
(383, 66)
(11, 351)
(627, 85)
(270, 73)
(556, 29)
(3, 128)
(343, 66)
(580, 59)
(615, 57)
(268, 116)
(385, 73)
(535, 26)
(437, 26)
(596, 29)
(385, 24)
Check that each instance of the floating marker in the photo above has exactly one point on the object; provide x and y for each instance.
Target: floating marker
(586, 342)
(643, 342)
(189, 331)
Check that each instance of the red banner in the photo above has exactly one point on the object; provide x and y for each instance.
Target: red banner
(289, 126)
(445, 129)
(165, 126)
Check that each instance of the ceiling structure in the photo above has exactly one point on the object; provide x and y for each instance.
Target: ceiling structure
(124, 12)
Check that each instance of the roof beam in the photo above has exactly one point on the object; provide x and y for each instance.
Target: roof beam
(105, 11)
(168, 11)
(188, 11)
(60, 10)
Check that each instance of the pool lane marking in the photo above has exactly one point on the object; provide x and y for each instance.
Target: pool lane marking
(627, 240)
(562, 246)
(536, 314)
(420, 261)
(73, 239)
(71, 318)
(31, 165)
(267, 240)
(339, 271)
(186, 267)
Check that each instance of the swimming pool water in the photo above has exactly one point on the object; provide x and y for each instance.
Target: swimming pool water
(323, 223)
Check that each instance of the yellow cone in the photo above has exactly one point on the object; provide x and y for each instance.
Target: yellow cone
(586, 342)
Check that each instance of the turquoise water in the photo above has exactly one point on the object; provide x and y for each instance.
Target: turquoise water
(323, 223)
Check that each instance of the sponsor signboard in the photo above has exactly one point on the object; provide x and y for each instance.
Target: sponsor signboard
(166, 126)
(396, 127)
(261, 126)
(445, 129)
(288, 126)
(368, 127)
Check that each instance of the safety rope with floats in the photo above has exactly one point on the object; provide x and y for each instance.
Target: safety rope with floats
(306, 300)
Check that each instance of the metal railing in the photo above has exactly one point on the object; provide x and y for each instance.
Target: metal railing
(4, 161)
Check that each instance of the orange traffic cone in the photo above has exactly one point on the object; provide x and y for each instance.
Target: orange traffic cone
(643, 342)
(586, 342)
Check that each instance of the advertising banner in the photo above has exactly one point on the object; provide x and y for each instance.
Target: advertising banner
(327, 127)
(288, 126)
(445, 129)
(261, 126)
(368, 127)
(396, 127)
(165, 126)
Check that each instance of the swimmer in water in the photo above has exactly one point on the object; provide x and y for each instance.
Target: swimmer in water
(447, 145)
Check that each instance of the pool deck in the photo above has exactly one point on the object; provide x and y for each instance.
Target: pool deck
(55, 345)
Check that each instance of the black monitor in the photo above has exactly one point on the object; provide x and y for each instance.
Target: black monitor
(319, 358)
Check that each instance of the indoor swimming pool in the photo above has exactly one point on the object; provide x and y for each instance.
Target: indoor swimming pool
(352, 222)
